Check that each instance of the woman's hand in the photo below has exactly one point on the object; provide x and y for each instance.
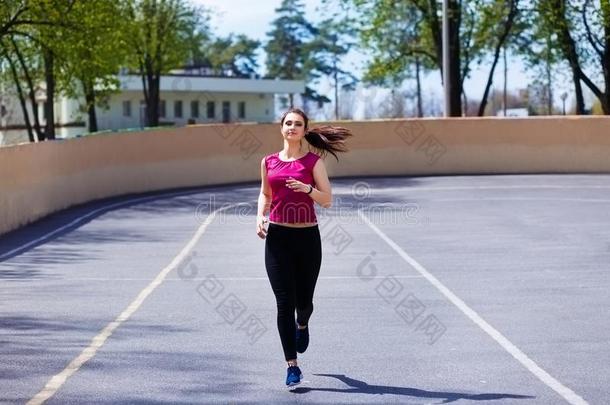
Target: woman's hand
(261, 231)
(298, 186)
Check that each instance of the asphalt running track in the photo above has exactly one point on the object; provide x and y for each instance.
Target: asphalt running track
(456, 289)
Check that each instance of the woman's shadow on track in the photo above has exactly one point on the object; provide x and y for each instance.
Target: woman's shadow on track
(361, 387)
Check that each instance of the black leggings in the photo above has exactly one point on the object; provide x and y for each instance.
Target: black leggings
(292, 257)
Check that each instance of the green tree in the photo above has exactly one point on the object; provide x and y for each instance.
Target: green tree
(406, 37)
(582, 29)
(13, 14)
(393, 35)
(92, 54)
(287, 52)
(160, 36)
(333, 41)
(498, 18)
(460, 26)
(23, 73)
(538, 44)
(30, 35)
(403, 34)
(16, 14)
(74, 47)
(300, 50)
(50, 37)
(234, 55)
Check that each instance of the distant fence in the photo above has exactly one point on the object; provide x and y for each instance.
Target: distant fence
(38, 179)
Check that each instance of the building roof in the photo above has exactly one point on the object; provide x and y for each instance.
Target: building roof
(196, 83)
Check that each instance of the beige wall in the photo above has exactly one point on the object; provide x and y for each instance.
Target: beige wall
(43, 178)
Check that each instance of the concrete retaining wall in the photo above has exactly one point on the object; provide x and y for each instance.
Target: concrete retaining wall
(38, 179)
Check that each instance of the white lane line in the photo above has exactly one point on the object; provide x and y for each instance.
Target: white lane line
(88, 215)
(600, 200)
(58, 380)
(569, 395)
(229, 278)
(419, 200)
(497, 187)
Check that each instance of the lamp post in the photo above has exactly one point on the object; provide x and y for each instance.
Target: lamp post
(563, 100)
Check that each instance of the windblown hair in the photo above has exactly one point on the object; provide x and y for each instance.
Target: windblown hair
(325, 138)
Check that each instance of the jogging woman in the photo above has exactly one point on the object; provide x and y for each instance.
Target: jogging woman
(291, 181)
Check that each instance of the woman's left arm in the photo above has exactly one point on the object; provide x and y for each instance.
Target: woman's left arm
(322, 193)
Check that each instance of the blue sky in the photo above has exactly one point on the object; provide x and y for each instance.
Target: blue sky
(254, 17)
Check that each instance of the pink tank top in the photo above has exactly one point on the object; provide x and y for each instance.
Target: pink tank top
(290, 206)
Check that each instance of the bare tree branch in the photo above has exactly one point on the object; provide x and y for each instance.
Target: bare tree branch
(595, 42)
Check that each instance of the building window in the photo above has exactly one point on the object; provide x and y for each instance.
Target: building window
(284, 102)
(178, 109)
(226, 111)
(211, 107)
(162, 110)
(127, 108)
(241, 110)
(194, 109)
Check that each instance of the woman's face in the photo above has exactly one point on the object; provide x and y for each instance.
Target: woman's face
(293, 128)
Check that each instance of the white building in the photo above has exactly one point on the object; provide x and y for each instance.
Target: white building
(513, 112)
(186, 97)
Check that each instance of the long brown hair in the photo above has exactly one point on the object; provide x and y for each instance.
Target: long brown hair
(325, 138)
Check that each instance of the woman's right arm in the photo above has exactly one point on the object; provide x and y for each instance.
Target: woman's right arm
(264, 202)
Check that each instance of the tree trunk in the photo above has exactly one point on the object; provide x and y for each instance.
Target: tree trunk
(455, 80)
(569, 51)
(90, 100)
(336, 88)
(504, 90)
(605, 7)
(570, 54)
(488, 86)
(31, 93)
(146, 96)
(49, 131)
(24, 108)
(606, 100)
(151, 93)
(580, 99)
(574, 66)
(420, 108)
(437, 33)
(152, 104)
(549, 84)
(507, 27)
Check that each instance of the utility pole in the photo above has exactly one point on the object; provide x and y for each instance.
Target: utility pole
(446, 60)
(451, 60)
